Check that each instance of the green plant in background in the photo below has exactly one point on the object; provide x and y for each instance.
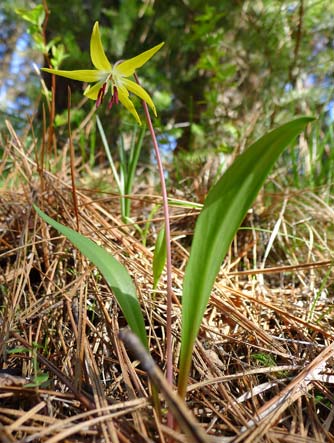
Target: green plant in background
(314, 166)
(266, 360)
(36, 17)
(128, 165)
(149, 219)
(39, 377)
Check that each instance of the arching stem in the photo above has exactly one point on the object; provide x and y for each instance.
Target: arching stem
(169, 350)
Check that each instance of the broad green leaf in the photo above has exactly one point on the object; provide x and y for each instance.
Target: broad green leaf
(224, 209)
(114, 273)
(159, 258)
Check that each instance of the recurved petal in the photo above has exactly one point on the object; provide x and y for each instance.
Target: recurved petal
(127, 103)
(93, 91)
(84, 75)
(128, 67)
(140, 92)
(97, 54)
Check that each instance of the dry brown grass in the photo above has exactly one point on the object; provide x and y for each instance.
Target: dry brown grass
(262, 366)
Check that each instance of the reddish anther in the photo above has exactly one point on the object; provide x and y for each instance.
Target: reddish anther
(114, 98)
(115, 95)
(100, 95)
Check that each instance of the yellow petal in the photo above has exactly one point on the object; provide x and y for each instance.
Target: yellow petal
(127, 103)
(93, 91)
(97, 54)
(128, 67)
(84, 75)
(140, 92)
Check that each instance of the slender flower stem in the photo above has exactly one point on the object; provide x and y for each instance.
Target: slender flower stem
(169, 351)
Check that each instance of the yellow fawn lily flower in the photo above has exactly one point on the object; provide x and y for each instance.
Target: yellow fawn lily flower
(111, 76)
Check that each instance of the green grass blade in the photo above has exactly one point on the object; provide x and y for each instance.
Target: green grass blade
(114, 273)
(159, 258)
(135, 149)
(108, 152)
(224, 209)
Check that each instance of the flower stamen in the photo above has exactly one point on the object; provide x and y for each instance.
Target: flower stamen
(114, 98)
(100, 95)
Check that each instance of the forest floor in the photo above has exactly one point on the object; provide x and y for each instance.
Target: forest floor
(263, 362)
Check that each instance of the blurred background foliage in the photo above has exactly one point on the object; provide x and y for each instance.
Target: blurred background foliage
(229, 71)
